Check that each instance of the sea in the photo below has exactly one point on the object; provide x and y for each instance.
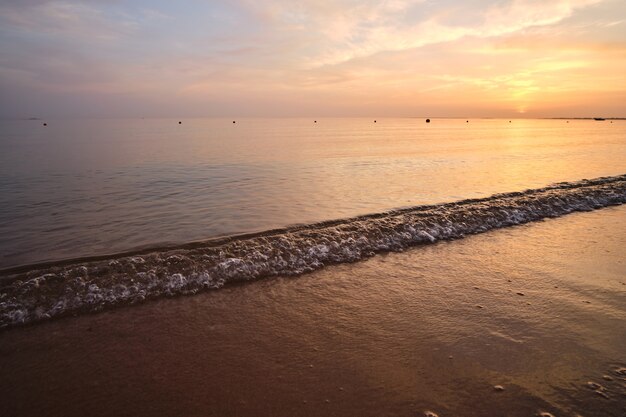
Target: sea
(305, 267)
(79, 188)
(213, 201)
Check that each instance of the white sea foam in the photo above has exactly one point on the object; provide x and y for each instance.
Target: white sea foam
(70, 288)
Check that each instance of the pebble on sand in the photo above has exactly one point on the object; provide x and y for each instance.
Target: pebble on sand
(594, 385)
(519, 293)
(545, 414)
(430, 414)
(602, 393)
(621, 371)
(498, 388)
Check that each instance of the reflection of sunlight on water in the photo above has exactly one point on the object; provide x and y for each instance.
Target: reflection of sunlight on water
(78, 187)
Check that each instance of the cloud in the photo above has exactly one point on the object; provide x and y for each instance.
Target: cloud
(93, 20)
(335, 32)
(369, 53)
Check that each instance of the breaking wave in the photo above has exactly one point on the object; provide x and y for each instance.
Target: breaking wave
(44, 291)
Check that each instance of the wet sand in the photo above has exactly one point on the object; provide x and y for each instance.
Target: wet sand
(538, 309)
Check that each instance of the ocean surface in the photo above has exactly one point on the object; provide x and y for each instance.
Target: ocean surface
(99, 214)
(80, 188)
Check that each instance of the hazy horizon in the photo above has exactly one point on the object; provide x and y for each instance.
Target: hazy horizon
(505, 59)
(317, 119)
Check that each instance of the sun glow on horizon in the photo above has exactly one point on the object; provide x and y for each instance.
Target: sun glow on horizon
(344, 58)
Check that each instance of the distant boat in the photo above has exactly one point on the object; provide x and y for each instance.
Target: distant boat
(600, 119)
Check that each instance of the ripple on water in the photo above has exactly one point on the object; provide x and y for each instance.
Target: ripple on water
(84, 286)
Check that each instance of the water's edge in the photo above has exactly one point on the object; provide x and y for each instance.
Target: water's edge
(40, 292)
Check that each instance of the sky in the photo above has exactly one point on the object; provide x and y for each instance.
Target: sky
(284, 58)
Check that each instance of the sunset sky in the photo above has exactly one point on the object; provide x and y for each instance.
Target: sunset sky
(471, 58)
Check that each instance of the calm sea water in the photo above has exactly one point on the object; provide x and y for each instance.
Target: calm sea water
(88, 187)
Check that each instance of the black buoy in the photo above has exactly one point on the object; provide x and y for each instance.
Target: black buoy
(427, 120)
(45, 124)
(180, 123)
(314, 121)
(509, 121)
(467, 121)
(233, 121)
(374, 121)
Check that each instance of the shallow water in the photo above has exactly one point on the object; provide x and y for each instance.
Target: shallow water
(47, 291)
(538, 309)
(89, 187)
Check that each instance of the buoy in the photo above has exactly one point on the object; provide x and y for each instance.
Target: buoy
(45, 124)
(467, 121)
(233, 121)
(509, 121)
(314, 121)
(427, 120)
(180, 123)
(374, 121)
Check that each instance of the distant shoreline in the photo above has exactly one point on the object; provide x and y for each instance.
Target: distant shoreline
(329, 117)
(583, 118)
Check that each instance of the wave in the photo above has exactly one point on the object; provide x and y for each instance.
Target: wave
(44, 291)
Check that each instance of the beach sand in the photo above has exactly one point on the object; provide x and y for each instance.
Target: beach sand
(538, 309)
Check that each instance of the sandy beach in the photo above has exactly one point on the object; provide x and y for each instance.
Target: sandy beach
(538, 310)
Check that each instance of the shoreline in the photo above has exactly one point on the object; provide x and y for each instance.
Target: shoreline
(76, 288)
(434, 328)
(222, 240)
